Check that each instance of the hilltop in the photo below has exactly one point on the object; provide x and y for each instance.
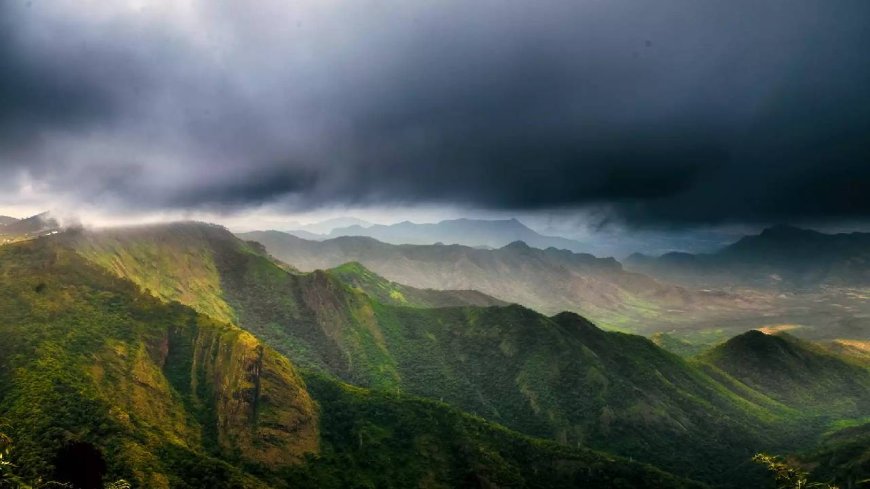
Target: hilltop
(795, 372)
(20, 229)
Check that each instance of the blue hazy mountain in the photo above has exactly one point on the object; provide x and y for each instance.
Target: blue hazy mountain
(469, 232)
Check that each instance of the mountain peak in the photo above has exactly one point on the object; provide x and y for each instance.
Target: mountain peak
(492, 233)
(518, 245)
(576, 322)
(31, 226)
(755, 346)
(786, 231)
(752, 339)
(4, 220)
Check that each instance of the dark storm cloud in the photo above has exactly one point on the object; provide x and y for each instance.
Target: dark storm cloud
(670, 112)
(38, 94)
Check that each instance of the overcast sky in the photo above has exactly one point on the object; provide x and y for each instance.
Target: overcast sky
(669, 113)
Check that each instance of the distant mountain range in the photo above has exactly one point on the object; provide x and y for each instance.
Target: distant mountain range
(12, 229)
(326, 226)
(468, 232)
(483, 233)
(547, 280)
(779, 257)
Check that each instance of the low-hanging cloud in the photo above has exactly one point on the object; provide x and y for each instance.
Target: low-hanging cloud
(673, 112)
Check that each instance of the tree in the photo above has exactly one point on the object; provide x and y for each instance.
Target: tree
(786, 475)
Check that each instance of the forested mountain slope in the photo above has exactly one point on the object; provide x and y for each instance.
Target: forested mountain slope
(168, 397)
(547, 280)
(797, 373)
(159, 388)
(560, 377)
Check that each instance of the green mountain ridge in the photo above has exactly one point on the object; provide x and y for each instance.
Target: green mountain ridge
(560, 377)
(547, 280)
(842, 457)
(173, 398)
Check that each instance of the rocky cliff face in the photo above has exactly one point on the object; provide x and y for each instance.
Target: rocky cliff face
(168, 393)
(261, 405)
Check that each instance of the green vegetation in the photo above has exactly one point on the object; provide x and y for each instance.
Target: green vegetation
(168, 397)
(377, 439)
(796, 373)
(87, 358)
(174, 264)
(676, 344)
(559, 378)
(546, 280)
(786, 475)
(386, 292)
(842, 458)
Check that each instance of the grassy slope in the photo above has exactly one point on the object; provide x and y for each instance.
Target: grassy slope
(556, 377)
(172, 264)
(675, 344)
(176, 399)
(388, 292)
(857, 351)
